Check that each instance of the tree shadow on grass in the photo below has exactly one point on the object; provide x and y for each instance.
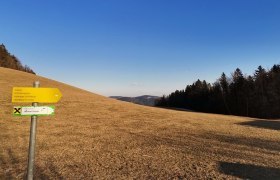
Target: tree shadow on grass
(266, 124)
(8, 165)
(41, 174)
(249, 142)
(11, 170)
(248, 171)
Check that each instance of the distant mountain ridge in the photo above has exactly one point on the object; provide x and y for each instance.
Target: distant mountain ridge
(147, 100)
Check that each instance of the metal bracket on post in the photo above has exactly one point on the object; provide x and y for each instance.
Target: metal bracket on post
(32, 140)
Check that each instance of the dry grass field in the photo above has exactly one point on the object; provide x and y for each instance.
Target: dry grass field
(94, 137)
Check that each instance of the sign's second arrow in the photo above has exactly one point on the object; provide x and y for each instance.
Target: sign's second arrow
(31, 110)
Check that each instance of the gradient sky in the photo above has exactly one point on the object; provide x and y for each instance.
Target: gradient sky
(137, 47)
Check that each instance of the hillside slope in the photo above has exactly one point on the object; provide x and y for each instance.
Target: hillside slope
(93, 137)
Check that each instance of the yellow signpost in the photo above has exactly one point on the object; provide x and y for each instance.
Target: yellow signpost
(35, 95)
(42, 95)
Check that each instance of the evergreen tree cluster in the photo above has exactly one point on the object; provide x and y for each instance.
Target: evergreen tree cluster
(10, 61)
(254, 96)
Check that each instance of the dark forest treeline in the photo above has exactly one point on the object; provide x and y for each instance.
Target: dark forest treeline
(10, 61)
(255, 96)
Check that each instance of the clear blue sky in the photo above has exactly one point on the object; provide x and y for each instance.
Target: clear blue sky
(137, 47)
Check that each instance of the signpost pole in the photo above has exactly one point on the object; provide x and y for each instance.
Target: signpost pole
(32, 140)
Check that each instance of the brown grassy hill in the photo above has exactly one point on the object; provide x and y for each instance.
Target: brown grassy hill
(93, 137)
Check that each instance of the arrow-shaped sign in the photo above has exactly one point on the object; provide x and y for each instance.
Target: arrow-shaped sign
(41, 95)
(31, 110)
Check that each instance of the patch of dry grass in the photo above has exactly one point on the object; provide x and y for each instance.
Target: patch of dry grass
(93, 137)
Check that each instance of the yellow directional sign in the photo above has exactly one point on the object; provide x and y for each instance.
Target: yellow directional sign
(41, 95)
